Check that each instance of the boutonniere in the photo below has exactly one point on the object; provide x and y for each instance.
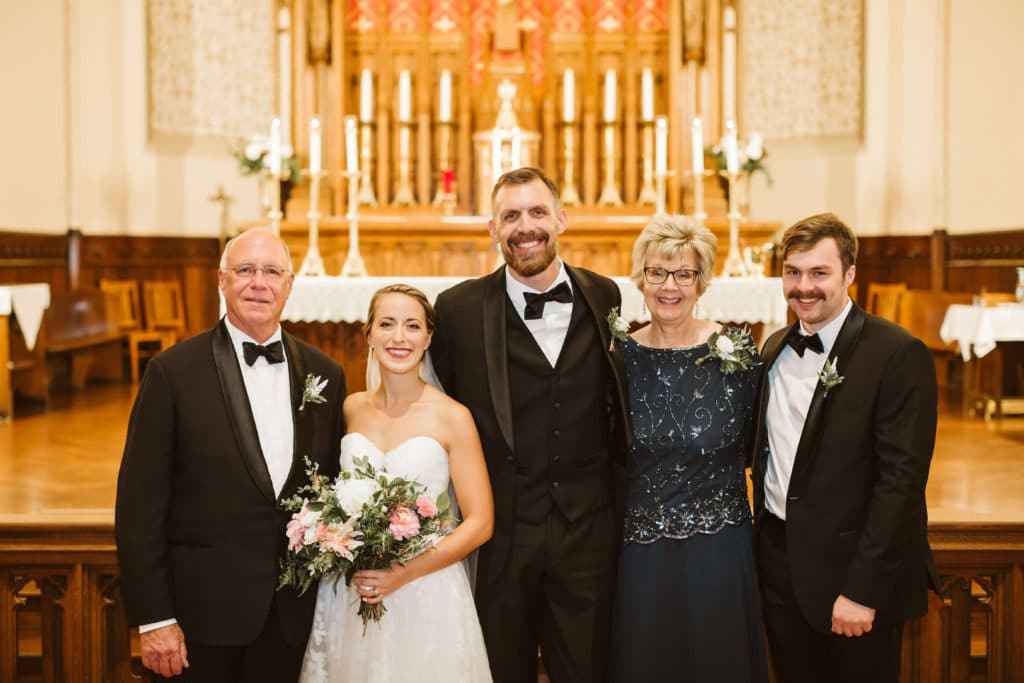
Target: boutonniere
(734, 349)
(617, 327)
(312, 392)
(829, 375)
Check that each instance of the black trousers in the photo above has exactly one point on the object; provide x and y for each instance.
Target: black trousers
(268, 659)
(801, 654)
(555, 593)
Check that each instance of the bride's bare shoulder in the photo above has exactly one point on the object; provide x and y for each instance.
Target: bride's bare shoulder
(446, 406)
(354, 402)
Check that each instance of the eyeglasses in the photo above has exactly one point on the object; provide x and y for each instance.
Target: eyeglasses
(247, 271)
(684, 277)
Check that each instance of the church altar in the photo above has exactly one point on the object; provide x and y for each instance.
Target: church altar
(341, 299)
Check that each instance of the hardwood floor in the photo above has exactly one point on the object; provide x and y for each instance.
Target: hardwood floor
(62, 464)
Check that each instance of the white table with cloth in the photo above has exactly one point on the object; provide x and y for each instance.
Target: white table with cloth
(26, 303)
(342, 299)
(978, 330)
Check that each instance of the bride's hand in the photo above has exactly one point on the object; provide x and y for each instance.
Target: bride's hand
(373, 585)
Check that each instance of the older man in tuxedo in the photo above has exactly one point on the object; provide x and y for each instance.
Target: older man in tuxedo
(217, 437)
(846, 428)
(526, 349)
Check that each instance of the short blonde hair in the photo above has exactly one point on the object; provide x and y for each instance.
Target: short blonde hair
(670, 236)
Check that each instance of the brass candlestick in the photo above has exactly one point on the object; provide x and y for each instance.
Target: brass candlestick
(570, 195)
(660, 180)
(354, 266)
(648, 194)
(444, 157)
(275, 215)
(734, 264)
(366, 195)
(610, 192)
(313, 264)
(403, 193)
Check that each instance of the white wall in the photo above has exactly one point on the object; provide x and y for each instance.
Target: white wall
(114, 180)
(944, 102)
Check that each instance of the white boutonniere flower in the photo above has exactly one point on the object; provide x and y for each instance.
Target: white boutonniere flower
(617, 327)
(829, 375)
(734, 348)
(312, 392)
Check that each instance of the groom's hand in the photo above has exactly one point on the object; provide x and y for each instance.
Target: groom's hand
(851, 619)
(163, 650)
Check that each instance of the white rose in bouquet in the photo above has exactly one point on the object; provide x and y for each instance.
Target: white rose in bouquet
(353, 494)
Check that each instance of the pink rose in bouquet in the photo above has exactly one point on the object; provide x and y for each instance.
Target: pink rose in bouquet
(426, 506)
(404, 524)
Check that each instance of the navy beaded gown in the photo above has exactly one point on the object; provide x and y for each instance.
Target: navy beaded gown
(687, 606)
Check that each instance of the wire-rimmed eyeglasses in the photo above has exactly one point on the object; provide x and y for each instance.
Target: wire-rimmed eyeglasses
(684, 277)
(247, 271)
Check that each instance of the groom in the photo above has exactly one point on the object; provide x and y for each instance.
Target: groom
(216, 439)
(526, 349)
(846, 427)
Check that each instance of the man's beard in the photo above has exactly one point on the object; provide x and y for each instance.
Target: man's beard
(534, 263)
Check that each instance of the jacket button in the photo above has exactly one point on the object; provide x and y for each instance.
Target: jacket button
(510, 459)
(557, 405)
(555, 484)
(557, 458)
(794, 497)
(557, 433)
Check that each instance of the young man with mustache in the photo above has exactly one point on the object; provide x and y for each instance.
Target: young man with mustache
(526, 349)
(845, 432)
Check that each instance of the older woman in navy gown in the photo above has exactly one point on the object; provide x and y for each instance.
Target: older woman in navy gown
(687, 605)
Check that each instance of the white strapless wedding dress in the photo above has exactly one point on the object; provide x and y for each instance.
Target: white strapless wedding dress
(430, 631)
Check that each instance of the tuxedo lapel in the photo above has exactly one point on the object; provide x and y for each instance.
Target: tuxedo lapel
(302, 419)
(807, 450)
(236, 401)
(496, 354)
(772, 348)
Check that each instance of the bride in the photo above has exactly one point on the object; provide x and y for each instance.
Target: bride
(410, 429)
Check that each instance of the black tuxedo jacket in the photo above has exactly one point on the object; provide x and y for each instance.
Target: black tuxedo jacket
(199, 530)
(470, 355)
(856, 521)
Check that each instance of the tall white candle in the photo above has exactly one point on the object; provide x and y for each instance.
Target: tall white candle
(444, 108)
(729, 63)
(647, 95)
(609, 96)
(314, 146)
(351, 151)
(568, 96)
(284, 73)
(366, 96)
(495, 156)
(404, 96)
(661, 145)
(274, 156)
(697, 148)
(732, 158)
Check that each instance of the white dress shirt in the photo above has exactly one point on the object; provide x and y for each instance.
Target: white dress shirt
(792, 381)
(551, 328)
(269, 391)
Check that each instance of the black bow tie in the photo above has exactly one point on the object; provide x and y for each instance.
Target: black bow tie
(274, 353)
(535, 302)
(802, 342)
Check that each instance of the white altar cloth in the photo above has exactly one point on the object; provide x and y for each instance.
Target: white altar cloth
(28, 302)
(981, 327)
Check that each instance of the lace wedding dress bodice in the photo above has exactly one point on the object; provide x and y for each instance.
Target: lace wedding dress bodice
(429, 631)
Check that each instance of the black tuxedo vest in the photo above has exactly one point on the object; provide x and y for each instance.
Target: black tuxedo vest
(557, 408)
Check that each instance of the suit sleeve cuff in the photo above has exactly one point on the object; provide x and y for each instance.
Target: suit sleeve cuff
(156, 624)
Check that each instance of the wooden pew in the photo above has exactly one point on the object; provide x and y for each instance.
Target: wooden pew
(82, 329)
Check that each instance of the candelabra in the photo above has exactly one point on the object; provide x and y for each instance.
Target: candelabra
(734, 264)
(698, 197)
(366, 196)
(610, 191)
(660, 179)
(313, 264)
(570, 195)
(648, 194)
(275, 215)
(354, 266)
(444, 156)
(403, 193)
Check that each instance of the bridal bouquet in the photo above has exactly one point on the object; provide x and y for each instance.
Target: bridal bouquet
(365, 519)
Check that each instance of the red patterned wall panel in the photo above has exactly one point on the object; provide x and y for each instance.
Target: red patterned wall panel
(481, 19)
(404, 16)
(567, 16)
(610, 16)
(650, 16)
(445, 16)
(363, 15)
(531, 19)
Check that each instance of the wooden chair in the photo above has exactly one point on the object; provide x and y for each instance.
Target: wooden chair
(165, 308)
(884, 299)
(140, 342)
